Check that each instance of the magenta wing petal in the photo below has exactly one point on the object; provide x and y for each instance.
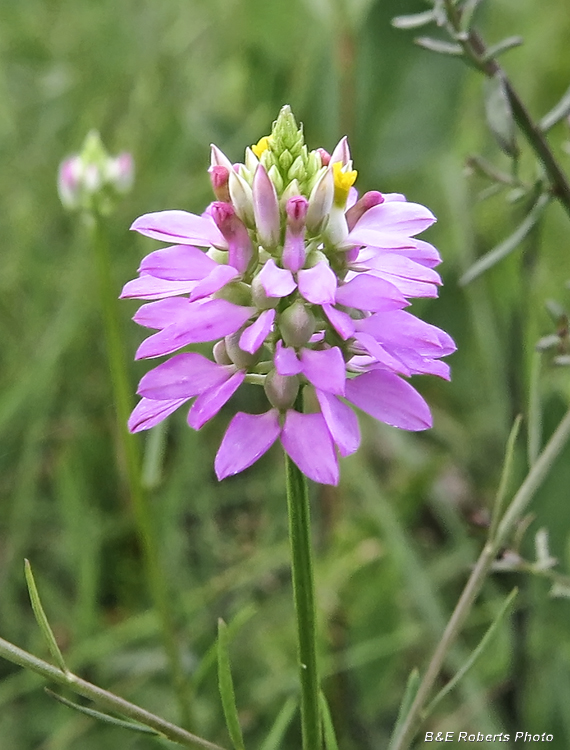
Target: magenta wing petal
(286, 360)
(254, 336)
(380, 353)
(148, 413)
(182, 376)
(209, 403)
(149, 287)
(399, 265)
(161, 313)
(365, 292)
(248, 437)
(318, 284)
(276, 282)
(181, 227)
(390, 399)
(203, 321)
(308, 442)
(404, 330)
(391, 217)
(178, 263)
(341, 421)
(218, 278)
(325, 369)
(340, 321)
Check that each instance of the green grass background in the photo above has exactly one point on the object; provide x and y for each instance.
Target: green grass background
(395, 541)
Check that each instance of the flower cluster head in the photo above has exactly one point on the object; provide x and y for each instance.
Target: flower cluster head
(302, 284)
(92, 180)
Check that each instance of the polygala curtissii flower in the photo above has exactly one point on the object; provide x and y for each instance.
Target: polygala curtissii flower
(302, 286)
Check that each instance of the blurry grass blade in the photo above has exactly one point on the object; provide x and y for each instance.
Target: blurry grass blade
(503, 46)
(103, 717)
(557, 113)
(437, 45)
(485, 168)
(328, 726)
(475, 654)
(505, 475)
(534, 411)
(544, 560)
(280, 725)
(226, 685)
(153, 456)
(507, 246)
(467, 12)
(412, 686)
(500, 116)
(415, 20)
(41, 618)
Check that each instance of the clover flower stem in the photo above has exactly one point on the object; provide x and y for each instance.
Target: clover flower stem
(145, 525)
(304, 596)
(499, 538)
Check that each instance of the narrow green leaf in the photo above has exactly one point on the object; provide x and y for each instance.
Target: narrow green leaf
(226, 686)
(503, 46)
(467, 12)
(507, 246)
(499, 115)
(505, 476)
(482, 645)
(328, 726)
(412, 686)
(41, 618)
(556, 114)
(534, 431)
(151, 474)
(105, 718)
(414, 21)
(437, 45)
(280, 725)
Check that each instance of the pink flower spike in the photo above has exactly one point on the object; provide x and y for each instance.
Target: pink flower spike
(209, 403)
(286, 360)
(181, 227)
(340, 321)
(308, 442)
(177, 263)
(390, 399)
(234, 232)
(366, 292)
(148, 413)
(325, 369)
(265, 208)
(183, 376)
(216, 280)
(318, 284)
(162, 313)
(341, 421)
(248, 437)
(276, 282)
(254, 336)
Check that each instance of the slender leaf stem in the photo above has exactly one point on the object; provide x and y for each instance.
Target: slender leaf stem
(477, 578)
(304, 595)
(103, 698)
(146, 526)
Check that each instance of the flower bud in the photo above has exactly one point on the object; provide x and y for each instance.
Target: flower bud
(285, 160)
(325, 157)
(242, 198)
(221, 353)
(120, 172)
(275, 177)
(341, 152)
(294, 245)
(260, 298)
(265, 208)
(297, 170)
(240, 250)
(320, 201)
(357, 211)
(281, 390)
(240, 358)
(219, 159)
(219, 177)
(296, 324)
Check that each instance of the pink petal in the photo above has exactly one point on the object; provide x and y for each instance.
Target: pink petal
(183, 376)
(180, 226)
(400, 265)
(390, 399)
(380, 354)
(419, 365)
(391, 216)
(149, 287)
(248, 437)
(161, 313)
(216, 280)
(366, 292)
(408, 287)
(340, 321)
(148, 413)
(325, 369)
(341, 421)
(318, 284)
(178, 263)
(286, 360)
(276, 282)
(404, 330)
(203, 321)
(254, 336)
(308, 442)
(209, 403)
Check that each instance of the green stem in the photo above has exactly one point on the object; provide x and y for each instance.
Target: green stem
(103, 698)
(304, 595)
(146, 526)
(477, 578)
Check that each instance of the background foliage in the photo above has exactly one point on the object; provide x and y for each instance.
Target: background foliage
(395, 541)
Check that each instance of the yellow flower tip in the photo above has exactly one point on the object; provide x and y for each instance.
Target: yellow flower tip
(261, 145)
(343, 181)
